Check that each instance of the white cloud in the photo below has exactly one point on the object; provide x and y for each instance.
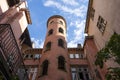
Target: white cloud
(37, 43)
(78, 33)
(75, 14)
(67, 9)
(71, 44)
(71, 2)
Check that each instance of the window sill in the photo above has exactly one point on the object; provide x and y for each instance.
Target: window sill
(46, 50)
(62, 69)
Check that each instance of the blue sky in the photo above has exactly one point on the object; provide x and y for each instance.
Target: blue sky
(74, 11)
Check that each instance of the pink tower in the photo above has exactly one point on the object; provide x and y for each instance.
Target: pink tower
(54, 63)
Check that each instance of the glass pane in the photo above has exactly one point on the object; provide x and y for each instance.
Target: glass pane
(73, 69)
(74, 76)
(85, 69)
(81, 76)
(77, 56)
(87, 76)
(71, 55)
(80, 69)
(81, 55)
(37, 56)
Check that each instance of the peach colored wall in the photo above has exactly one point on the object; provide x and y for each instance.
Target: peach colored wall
(23, 22)
(16, 18)
(3, 6)
(31, 62)
(91, 50)
(109, 10)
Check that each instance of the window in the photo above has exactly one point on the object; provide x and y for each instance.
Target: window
(98, 74)
(31, 56)
(61, 30)
(101, 24)
(76, 56)
(81, 56)
(71, 55)
(26, 56)
(48, 46)
(92, 13)
(50, 32)
(61, 63)
(12, 2)
(80, 73)
(61, 43)
(61, 22)
(37, 56)
(45, 67)
(51, 22)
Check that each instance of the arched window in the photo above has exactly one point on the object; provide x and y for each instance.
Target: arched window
(61, 22)
(31, 56)
(48, 46)
(26, 56)
(61, 30)
(51, 22)
(61, 62)
(45, 67)
(61, 43)
(50, 32)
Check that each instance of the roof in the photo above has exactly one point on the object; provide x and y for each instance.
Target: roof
(56, 16)
(88, 16)
(26, 36)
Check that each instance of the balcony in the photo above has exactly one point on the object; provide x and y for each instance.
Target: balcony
(10, 50)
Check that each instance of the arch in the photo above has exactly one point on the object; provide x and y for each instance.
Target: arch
(61, 43)
(61, 63)
(48, 46)
(61, 30)
(61, 22)
(45, 67)
(51, 22)
(50, 32)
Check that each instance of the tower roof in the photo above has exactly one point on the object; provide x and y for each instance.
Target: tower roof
(56, 16)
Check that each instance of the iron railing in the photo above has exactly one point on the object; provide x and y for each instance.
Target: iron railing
(10, 48)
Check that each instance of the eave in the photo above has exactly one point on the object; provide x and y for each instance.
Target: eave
(88, 16)
(27, 13)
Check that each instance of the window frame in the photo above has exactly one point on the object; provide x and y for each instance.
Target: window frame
(61, 43)
(51, 22)
(92, 13)
(45, 64)
(61, 22)
(61, 30)
(101, 24)
(48, 46)
(61, 63)
(74, 56)
(76, 70)
(50, 32)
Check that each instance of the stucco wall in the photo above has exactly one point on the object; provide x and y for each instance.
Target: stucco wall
(109, 10)
(3, 6)
(91, 50)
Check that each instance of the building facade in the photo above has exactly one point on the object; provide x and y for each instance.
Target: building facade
(101, 23)
(55, 58)
(55, 61)
(14, 19)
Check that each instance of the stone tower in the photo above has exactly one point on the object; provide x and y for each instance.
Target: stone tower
(54, 63)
